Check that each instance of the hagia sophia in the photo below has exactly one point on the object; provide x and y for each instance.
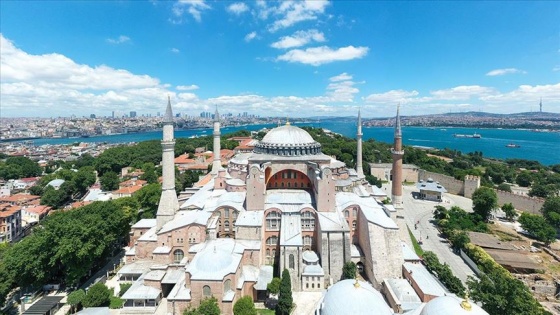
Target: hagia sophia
(285, 205)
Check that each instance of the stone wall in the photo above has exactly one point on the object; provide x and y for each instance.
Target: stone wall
(520, 202)
(453, 186)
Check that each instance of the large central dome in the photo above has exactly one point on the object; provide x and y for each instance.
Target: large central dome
(288, 140)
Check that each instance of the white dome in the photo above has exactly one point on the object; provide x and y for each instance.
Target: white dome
(347, 297)
(286, 135)
(445, 305)
(288, 140)
(213, 261)
(310, 256)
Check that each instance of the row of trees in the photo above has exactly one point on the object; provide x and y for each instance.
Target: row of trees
(65, 248)
(443, 273)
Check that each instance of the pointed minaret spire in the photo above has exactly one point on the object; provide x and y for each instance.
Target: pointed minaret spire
(168, 118)
(168, 203)
(540, 105)
(217, 162)
(398, 131)
(359, 167)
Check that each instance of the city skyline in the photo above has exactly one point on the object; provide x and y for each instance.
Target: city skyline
(301, 59)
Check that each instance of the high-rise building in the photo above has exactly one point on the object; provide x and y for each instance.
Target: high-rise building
(132, 114)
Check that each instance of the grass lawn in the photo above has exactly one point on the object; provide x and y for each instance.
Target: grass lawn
(265, 311)
(417, 247)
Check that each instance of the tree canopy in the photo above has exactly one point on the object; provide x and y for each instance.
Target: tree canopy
(285, 299)
(537, 226)
(485, 200)
(244, 306)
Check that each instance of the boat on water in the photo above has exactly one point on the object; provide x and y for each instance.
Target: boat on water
(513, 145)
(474, 135)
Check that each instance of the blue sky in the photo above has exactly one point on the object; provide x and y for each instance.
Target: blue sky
(302, 58)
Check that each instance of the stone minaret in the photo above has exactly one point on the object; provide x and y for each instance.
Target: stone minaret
(359, 167)
(168, 203)
(217, 163)
(397, 152)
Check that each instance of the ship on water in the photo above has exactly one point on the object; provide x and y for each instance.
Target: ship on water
(474, 135)
(513, 145)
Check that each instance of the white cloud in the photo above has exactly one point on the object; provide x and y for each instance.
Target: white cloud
(463, 92)
(119, 40)
(175, 50)
(320, 55)
(299, 38)
(556, 68)
(292, 12)
(187, 87)
(392, 97)
(498, 72)
(341, 77)
(193, 7)
(249, 37)
(237, 8)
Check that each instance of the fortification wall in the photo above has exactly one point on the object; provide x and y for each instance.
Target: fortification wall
(452, 185)
(520, 202)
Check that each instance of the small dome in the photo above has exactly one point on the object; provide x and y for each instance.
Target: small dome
(445, 305)
(354, 297)
(309, 256)
(214, 260)
(288, 140)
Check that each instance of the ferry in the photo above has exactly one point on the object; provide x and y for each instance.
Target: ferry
(513, 145)
(474, 135)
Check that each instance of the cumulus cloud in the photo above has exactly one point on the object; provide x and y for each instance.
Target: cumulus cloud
(237, 8)
(175, 50)
(187, 87)
(556, 68)
(463, 92)
(119, 40)
(341, 77)
(392, 97)
(342, 88)
(192, 7)
(249, 37)
(321, 55)
(299, 38)
(498, 72)
(293, 12)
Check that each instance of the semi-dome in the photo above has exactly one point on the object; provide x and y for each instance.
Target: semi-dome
(445, 305)
(288, 140)
(354, 297)
(213, 260)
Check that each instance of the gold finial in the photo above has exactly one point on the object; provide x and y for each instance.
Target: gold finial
(356, 284)
(465, 304)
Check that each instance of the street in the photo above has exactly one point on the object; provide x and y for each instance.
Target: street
(421, 211)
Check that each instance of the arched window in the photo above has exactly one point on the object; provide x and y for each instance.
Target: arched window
(226, 225)
(354, 225)
(227, 285)
(273, 221)
(272, 241)
(226, 213)
(307, 221)
(307, 241)
(292, 261)
(346, 213)
(206, 291)
(178, 255)
(355, 212)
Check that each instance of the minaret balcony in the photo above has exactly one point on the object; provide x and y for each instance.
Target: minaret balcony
(397, 152)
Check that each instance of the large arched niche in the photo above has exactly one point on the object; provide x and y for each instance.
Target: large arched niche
(287, 179)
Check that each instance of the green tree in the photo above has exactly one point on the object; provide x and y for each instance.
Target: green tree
(504, 187)
(524, 179)
(374, 180)
(53, 198)
(28, 167)
(484, 201)
(285, 299)
(273, 286)
(459, 239)
(83, 179)
(109, 181)
(537, 226)
(97, 295)
(36, 190)
(509, 210)
(244, 306)
(75, 298)
(551, 210)
(349, 270)
(209, 307)
(149, 173)
(148, 198)
(84, 160)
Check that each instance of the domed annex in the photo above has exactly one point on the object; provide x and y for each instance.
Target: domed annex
(288, 140)
(445, 305)
(353, 297)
